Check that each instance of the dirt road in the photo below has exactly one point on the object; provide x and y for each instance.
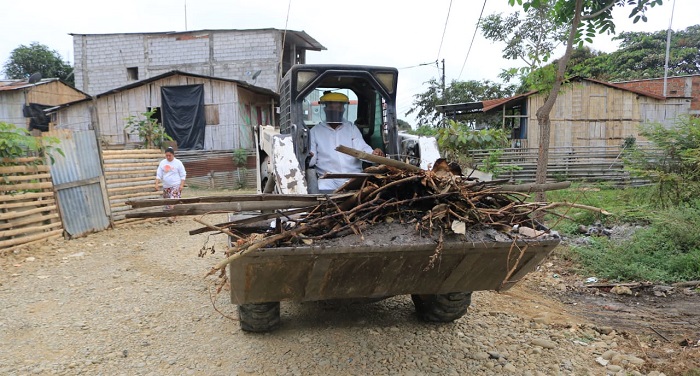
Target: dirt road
(133, 301)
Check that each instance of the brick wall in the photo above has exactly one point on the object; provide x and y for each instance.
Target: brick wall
(688, 86)
(101, 60)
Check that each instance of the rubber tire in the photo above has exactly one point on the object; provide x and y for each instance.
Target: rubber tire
(259, 317)
(442, 308)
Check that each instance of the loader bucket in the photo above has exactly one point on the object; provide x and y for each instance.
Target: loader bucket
(313, 273)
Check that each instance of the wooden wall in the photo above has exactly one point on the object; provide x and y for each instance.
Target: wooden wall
(130, 174)
(51, 93)
(229, 109)
(28, 211)
(11, 103)
(591, 114)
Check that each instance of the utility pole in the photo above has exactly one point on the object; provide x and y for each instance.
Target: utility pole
(444, 98)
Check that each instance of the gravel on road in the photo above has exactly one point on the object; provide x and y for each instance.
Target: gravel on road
(133, 301)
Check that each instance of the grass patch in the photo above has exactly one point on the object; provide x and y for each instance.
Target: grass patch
(667, 249)
(627, 205)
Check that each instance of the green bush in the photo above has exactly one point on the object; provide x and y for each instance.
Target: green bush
(667, 250)
(674, 167)
(17, 142)
(148, 129)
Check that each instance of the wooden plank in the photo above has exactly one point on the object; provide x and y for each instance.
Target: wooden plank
(24, 204)
(25, 186)
(40, 240)
(31, 238)
(25, 196)
(224, 207)
(21, 160)
(133, 165)
(78, 183)
(138, 194)
(27, 169)
(142, 172)
(12, 178)
(111, 191)
(26, 230)
(20, 214)
(32, 219)
(128, 180)
(310, 198)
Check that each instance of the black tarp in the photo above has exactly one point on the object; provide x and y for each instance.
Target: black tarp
(183, 115)
(37, 116)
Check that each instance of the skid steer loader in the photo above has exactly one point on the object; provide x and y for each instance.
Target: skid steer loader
(260, 280)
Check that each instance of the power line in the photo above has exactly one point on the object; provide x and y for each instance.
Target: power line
(419, 65)
(472, 43)
(284, 40)
(444, 30)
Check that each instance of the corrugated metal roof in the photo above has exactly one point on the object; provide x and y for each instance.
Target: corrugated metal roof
(7, 85)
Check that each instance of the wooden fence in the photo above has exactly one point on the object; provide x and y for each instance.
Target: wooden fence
(28, 210)
(588, 164)
(130, 174)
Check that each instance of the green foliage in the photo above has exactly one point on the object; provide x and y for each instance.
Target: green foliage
(642, 55)
(241, 174)
(240, 156)
(148, 129)
(403, 125)
(26, 60)
(668, 250)
(457, 140)
(674, 166)
(17, 143)
(492, 164)
(425, 130)
(424, 104)
(531, 38)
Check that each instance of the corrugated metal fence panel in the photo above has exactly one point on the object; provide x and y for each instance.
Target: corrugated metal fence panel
(218, 170)
(78, 180)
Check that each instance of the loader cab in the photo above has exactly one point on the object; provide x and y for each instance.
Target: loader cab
(372, 108)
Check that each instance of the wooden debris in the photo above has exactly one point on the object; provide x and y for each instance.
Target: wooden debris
(439, 200)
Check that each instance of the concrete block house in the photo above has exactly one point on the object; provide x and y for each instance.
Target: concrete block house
(256, 56)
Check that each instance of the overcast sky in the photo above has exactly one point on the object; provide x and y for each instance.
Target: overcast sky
(371, 32)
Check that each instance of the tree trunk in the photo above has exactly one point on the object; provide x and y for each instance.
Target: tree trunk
(543, 112)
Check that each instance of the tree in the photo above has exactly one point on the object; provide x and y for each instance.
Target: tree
(530, 39)
(403, 125)
(642, 55)
(27, 60)
(424, 104)
(585, 19)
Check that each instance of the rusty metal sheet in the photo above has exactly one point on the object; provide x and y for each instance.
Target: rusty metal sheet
(321, 273)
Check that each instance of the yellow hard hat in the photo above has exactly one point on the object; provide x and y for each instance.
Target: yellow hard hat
(334, 97)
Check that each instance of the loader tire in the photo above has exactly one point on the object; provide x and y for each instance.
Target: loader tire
(259, 317)
(443, 307)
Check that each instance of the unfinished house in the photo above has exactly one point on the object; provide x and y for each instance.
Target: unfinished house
(22, 102)
(259, 57)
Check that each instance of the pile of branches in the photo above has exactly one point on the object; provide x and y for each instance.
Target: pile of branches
(441, 199)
